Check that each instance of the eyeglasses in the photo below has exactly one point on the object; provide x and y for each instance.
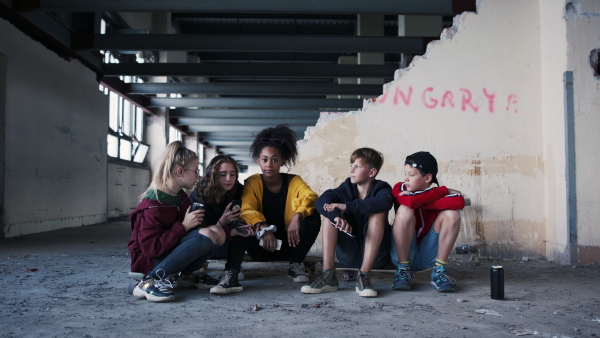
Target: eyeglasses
(271, 140)
(196, 170)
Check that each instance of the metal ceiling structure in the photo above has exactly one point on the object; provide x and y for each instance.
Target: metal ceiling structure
(260, 63)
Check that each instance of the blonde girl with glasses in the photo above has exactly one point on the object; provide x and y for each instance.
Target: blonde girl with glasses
(167, 238)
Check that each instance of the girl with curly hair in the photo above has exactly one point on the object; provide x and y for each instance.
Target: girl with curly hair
(280, 206)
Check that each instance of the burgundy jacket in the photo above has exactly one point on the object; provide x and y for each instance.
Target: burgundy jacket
(155, 229)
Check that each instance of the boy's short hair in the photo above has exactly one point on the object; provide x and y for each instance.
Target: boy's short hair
(370, 156)
(425, 162)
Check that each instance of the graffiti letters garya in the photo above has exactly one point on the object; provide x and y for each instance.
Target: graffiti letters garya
(464, 99)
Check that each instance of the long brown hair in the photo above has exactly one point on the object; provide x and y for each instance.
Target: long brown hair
(207, 187)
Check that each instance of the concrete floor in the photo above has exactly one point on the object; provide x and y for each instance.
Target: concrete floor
(72, 282)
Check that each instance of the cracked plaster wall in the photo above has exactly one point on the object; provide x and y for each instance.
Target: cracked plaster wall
(487, 100)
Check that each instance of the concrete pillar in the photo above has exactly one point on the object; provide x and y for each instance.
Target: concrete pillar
(3, 71)
(370, 25)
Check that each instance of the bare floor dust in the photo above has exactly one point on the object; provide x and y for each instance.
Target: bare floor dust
(72, 283)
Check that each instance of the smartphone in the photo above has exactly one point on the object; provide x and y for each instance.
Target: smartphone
(347, 233)
(261, 243)
(241, 230)
(236, 204)
(197, 206)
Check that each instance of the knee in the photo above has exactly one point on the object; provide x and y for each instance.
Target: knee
(378, 220)
(404, 215)
(452, 218)
(215, 233)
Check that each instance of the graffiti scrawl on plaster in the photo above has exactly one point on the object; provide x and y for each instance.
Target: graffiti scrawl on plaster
(461, 99)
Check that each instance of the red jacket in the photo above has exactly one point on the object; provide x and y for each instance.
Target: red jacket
(155, 229)
(427, 205)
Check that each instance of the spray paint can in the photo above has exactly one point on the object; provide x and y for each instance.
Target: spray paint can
(497, 282)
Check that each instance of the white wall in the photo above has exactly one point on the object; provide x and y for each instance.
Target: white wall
(475, 101)
(55, 149)
(125, 185)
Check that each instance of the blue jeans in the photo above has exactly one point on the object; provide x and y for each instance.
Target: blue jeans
(420, 256)
(188, 256)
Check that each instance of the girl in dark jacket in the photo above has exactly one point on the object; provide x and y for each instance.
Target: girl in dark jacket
(221, 192)
(167, 238)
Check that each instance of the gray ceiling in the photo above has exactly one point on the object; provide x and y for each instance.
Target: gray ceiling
(261, 62)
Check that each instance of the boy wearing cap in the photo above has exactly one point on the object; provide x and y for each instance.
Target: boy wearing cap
(426, 224)
(355, 224)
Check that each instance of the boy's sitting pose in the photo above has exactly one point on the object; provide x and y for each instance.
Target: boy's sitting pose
(355, 227)
(426, 225)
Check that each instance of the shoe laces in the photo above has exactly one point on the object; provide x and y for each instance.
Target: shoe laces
(298, 268)
(364, 281)
(404, 274)
(161, 282)
(443, 277)
(320, 279)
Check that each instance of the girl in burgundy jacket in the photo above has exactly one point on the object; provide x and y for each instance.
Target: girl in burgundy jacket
(166, 238)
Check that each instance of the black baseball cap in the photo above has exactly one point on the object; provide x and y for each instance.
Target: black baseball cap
(424, 161)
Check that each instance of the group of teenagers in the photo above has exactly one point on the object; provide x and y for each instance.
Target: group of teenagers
(280, 218)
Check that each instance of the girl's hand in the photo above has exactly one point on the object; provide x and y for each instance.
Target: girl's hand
(332, 206)
(293, 230)
(192, 219)
(269, 241)
(230, 215)
(249, 231)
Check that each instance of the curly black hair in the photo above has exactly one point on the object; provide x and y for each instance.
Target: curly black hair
(281, 138)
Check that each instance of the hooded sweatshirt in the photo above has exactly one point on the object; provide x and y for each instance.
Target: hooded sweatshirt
(155, 229)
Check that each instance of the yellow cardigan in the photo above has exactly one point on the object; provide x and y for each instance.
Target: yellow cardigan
(300, 198)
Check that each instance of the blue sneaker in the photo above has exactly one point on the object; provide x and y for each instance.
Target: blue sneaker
(154, 290)
(441, 281)
(403, 280)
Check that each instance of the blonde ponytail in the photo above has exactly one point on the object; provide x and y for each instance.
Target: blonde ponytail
(175, 155)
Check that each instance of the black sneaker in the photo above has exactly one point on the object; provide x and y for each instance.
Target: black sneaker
(154, 290)
(228, 283)
(326, 281)
(198, 279)
(364, 286)
(298, 272)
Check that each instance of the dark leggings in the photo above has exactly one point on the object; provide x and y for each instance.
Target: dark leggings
(234, 251)
(309, 230)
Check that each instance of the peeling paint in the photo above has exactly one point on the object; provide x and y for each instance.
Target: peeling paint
(594, 64)
(574, 10)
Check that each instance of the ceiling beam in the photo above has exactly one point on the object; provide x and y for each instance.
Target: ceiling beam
(252, 88)
(256, 103)
(249, 131)
(429, 7)
(242, 121)
(252, 43)
(246, 113)
(262, 70)
(52, 34)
